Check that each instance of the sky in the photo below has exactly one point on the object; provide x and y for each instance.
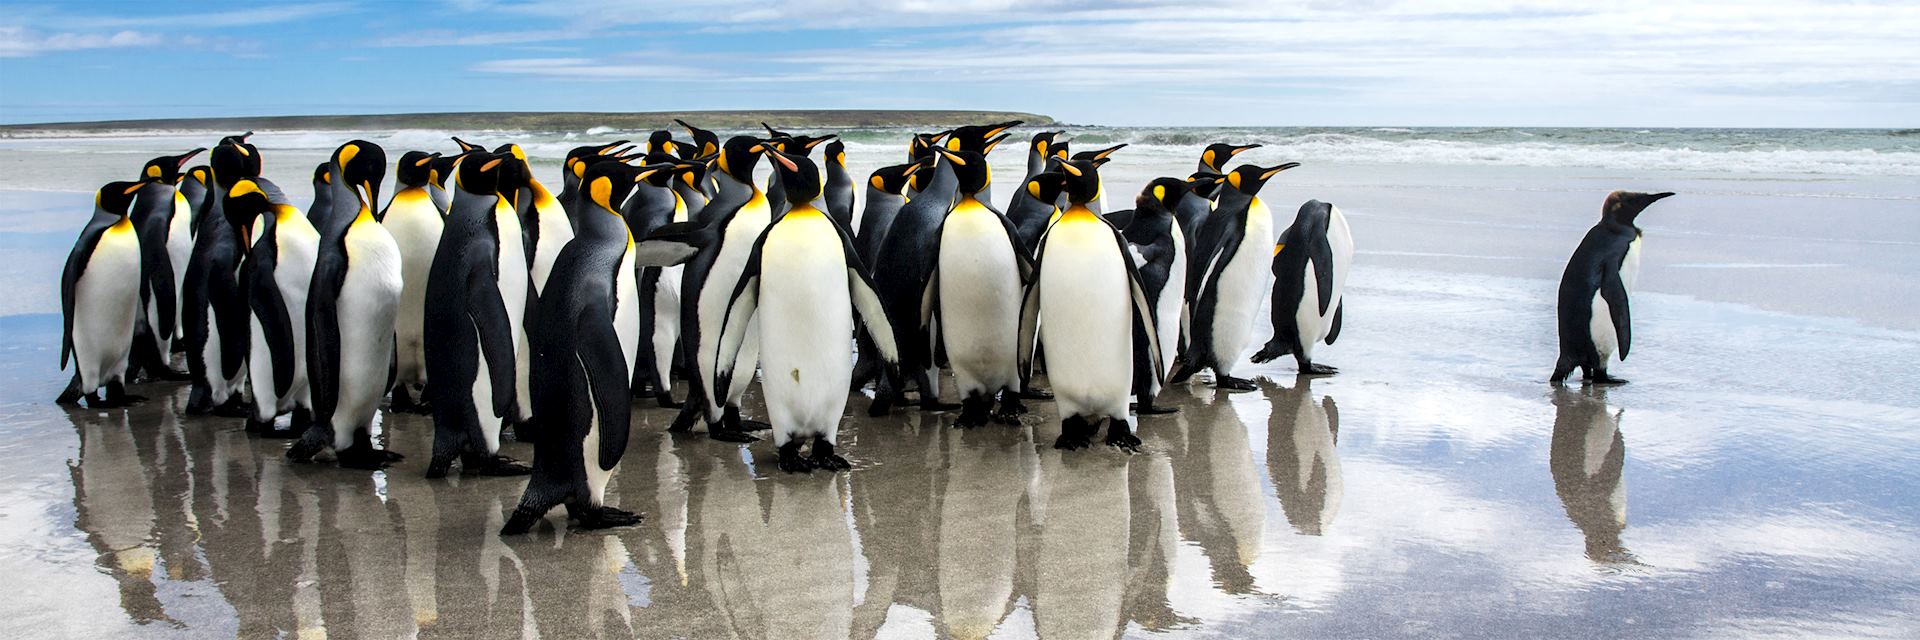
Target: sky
(1631, 63)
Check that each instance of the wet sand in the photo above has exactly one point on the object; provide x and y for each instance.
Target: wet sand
(1756, 479)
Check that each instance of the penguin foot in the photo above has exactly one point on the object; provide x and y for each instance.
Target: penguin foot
(367, 458)
(724, 434)
(305, 449)
(522, 520)
(689, 414)
(70, 397)
(824, 458)
(937, 405)
(790, 460)
(199, 398)
(500, 466)
(1270, 352)
(1315, 369)
(974, 412)
(1604, 380)
(592, 518)
(1182, 372)
(733, 421)
(1010, 409)
(1071, 442)
(113, 401)
(882, 404)
(1121, 437)
(232, 408)
(439, 467)
(1230, 383)
(666, 401)
(755, 425)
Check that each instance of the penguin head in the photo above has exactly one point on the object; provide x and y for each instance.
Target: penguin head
(1624, 206)
(415, 169)
(920, 148)
(166, 169)
(1082, 180)
(1046, 186)
(322, 176)
(798, 145)
(1162, 194)
(1205, 184)
(774, 133)
(116, 197)
(363, 166)
(442, 167)
(691, 173)
(1214, 158)
(705, 142)
(607, 184)
(246, 201)
(1043, 143)
(235, 158)
(738, 156)
(837, 154)
(799, 176)
(201, 174)
(971, 167)
(1248, 178)
(975, 137)
(575, 166)
(662, 142)
(893, 179)
(1099, 156)
(478, 173)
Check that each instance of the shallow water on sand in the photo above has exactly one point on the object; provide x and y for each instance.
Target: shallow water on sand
(1756, 479)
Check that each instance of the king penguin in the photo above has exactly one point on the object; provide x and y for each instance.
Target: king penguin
(839, 194)
(469, 341)
(655, 203)
(971, 307)
(1099, 158)
(100, 300)
(586, 337)
(214, 302)
(164, 221)
(1035, 205)
(351, 305)
(805, 284)
(1237, 242)
(886, 194)
(1594, 319)
(799, 145)
(279, 272)
(1085, 305)
(517, 253)
(1044, 147)
(415, 221)
(1192, 213)
(901, 269)
(733, 220)
(547, 223)
(1310, 266)
(1160, 253)
(575, 167)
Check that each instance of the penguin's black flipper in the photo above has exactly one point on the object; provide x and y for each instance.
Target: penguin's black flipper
(1323, 272)
(1614, 291)
(1143, 313)
(599, 352)
(276, 323)
(323, 332)
(673, 244)
(1333, 333)
(1029, 324)
(231, 314)
(490, 322)
(866, 302)
(1120, 219)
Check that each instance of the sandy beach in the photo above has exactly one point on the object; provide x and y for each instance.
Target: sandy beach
(1756, 478)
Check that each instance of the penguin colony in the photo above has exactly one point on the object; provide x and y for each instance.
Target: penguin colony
(477, 295)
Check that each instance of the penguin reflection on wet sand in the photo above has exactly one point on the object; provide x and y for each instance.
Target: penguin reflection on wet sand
(1594, 319)
(350, 312)
(805, 284)
(1302, 459)
(586, 338)
(100, 300)
(1586, 459)
(1086, 301)
(1310, 265)
(1235, 252)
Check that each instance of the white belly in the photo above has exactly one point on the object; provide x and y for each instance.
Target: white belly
(980, 298)
(666, 320)
(514, 280)
(590, 451)
(806, 317)
(296, 251)
(717, 292)
(369, 298)
(1605, 341)
(106, 303)
(416, 226)
(626, 311)
(179, 251)
(555, 232)
(1244, 282)
(1086, 324)
(1167, 309)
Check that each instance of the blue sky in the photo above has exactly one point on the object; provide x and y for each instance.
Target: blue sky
(1811, 63)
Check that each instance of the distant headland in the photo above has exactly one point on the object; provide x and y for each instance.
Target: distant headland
(546, 121)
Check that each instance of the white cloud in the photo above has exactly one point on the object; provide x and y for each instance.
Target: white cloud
(586, 69)
(17, 42)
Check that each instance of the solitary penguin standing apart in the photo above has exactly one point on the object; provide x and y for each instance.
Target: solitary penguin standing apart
(99, 298)
(469, 345)
(805, 282)
(415, 221)
(350, 312)
(586, 334)
(1086, 302)
(1310, 275)
(1594, 322)
(1237, 242)
(973, 297)
(278, 274)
